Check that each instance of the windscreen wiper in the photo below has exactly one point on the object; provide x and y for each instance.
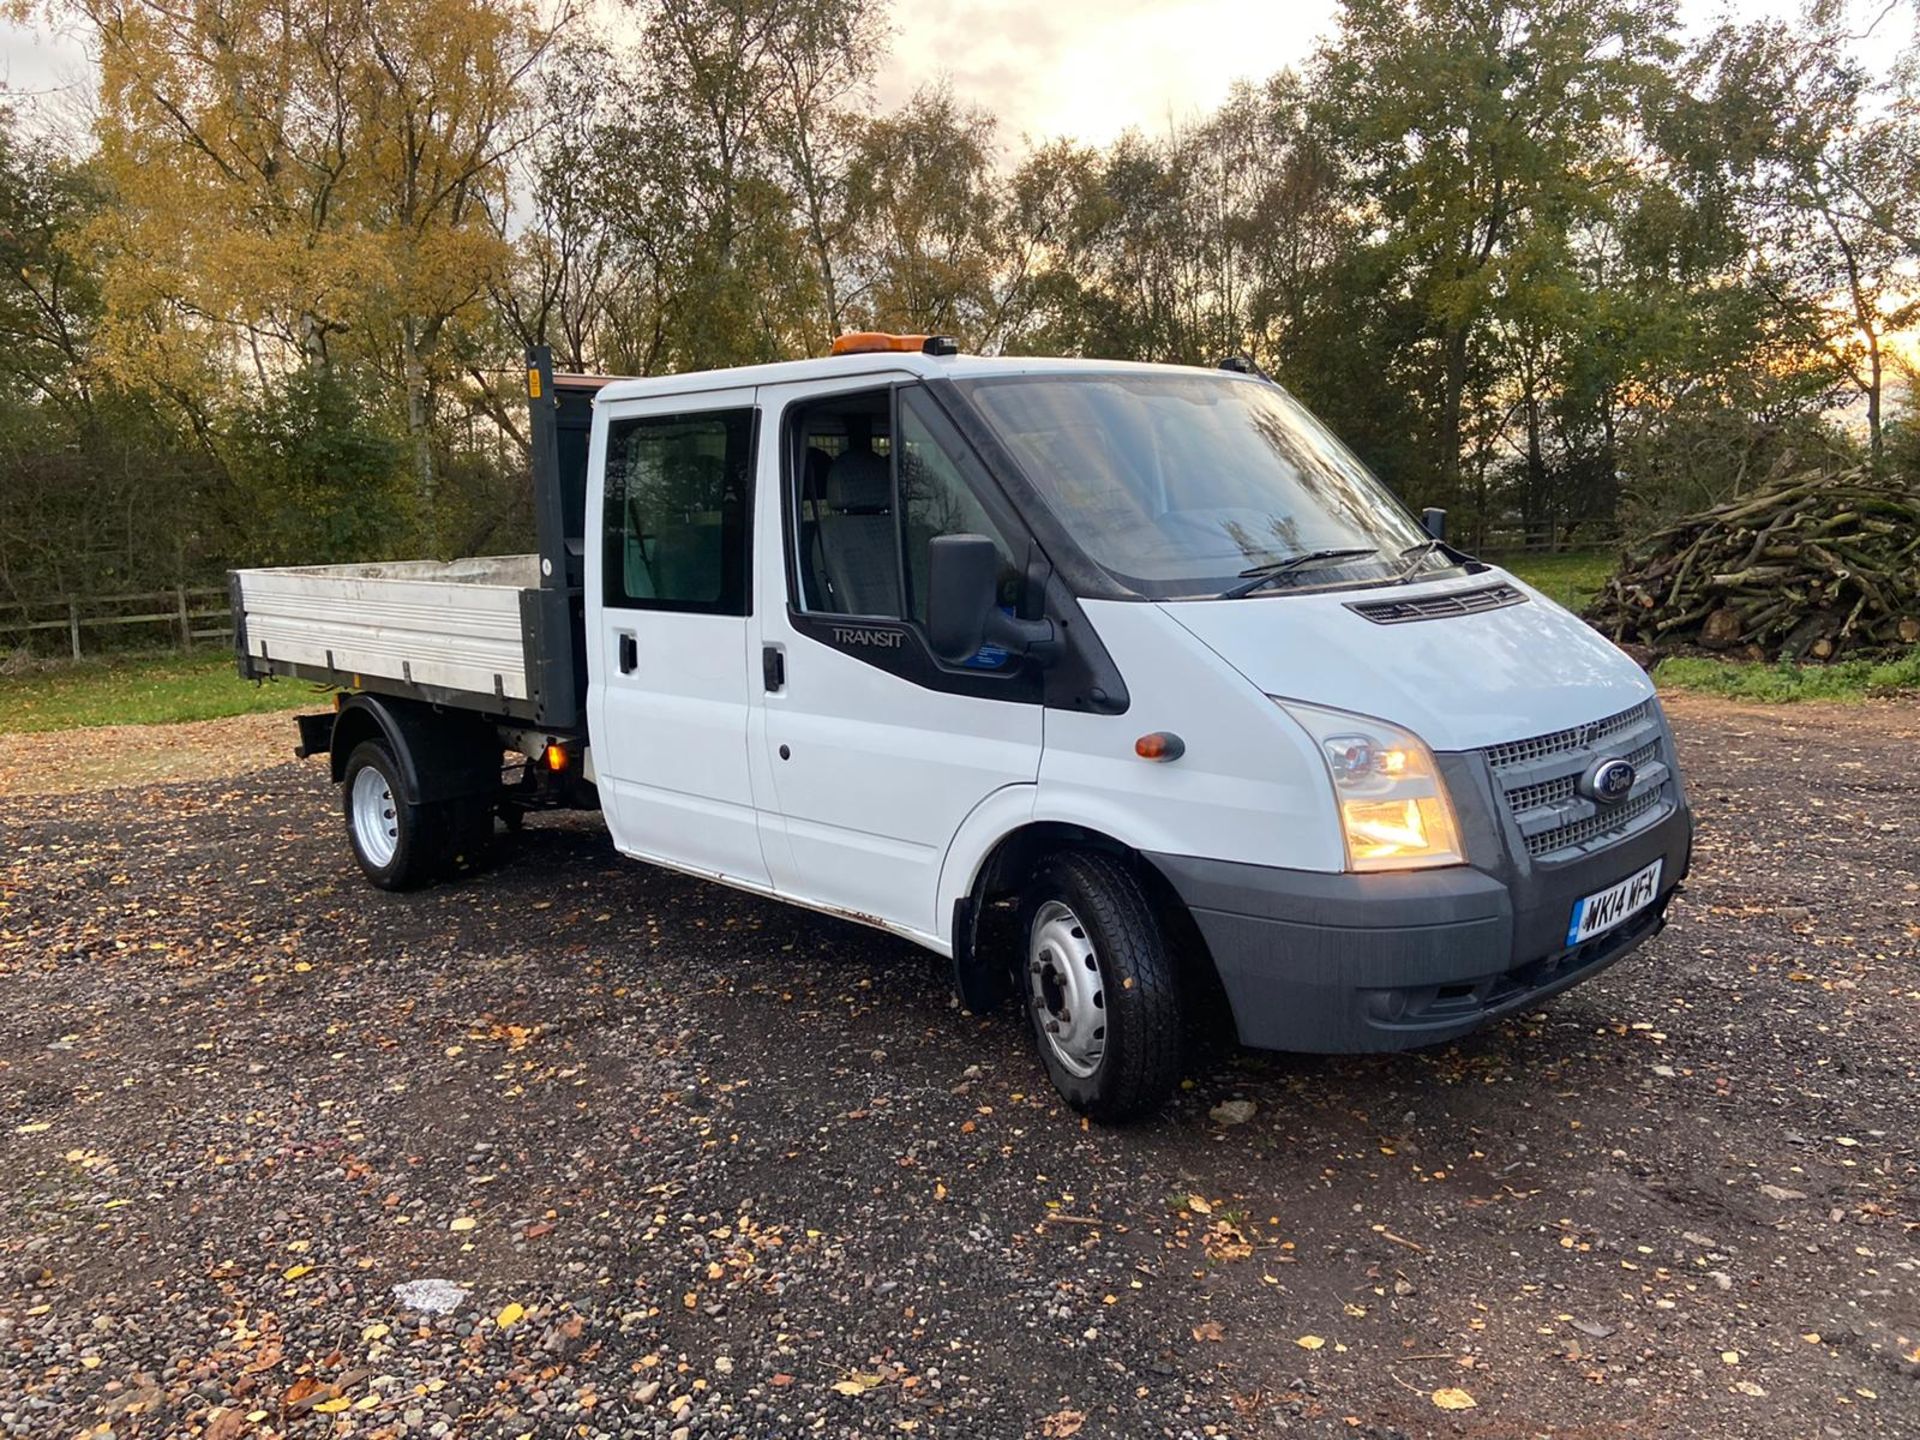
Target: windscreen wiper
(1265, 574)
(1414, 554)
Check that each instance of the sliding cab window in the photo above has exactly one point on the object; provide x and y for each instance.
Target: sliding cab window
(876, 476)
(679, 497)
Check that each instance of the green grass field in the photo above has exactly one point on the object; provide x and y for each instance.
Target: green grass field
(1783, 684)
(1572, 578)
(140, 690)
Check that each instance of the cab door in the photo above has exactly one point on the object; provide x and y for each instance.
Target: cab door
(669, 601)
(877, 751)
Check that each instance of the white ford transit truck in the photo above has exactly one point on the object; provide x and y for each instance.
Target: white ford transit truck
(1117, 684)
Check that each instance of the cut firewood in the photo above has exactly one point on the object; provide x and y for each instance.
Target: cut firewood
(1816, 566)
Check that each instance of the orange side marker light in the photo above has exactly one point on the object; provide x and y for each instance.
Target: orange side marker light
(1160, 745)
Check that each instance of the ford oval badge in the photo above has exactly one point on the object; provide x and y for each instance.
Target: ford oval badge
(1608, 781)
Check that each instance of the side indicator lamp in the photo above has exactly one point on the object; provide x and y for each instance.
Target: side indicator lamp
(556, 759)
(1160, 745)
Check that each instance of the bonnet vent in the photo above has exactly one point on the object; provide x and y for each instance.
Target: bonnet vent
(1438, 607)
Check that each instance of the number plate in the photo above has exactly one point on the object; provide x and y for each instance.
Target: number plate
(1606, 908)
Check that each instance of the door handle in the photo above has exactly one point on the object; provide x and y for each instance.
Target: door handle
(773, 667)
(629, 654)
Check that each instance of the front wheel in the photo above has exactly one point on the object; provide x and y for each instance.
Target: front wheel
(1101, 986)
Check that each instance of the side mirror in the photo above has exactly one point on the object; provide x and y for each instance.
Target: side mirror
(963, 588)
(963, 602)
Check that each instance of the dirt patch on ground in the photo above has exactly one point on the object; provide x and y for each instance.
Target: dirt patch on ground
(68, 762)
(707, 1166)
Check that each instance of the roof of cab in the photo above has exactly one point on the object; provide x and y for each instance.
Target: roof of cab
(880, 363)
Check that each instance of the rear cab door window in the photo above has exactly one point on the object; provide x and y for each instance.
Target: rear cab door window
(669, 605)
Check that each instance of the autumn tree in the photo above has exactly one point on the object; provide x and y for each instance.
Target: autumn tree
(1819, 154)
(1471, 132)
(922, 233)
(305, 186)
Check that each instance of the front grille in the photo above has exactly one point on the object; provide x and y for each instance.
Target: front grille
(1606, 825)
(1516, 752)
(1564, 788)
(1539, 778)
(1437, 607)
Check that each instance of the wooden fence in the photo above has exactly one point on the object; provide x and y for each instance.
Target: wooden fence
(180, 614)
(1547, 537)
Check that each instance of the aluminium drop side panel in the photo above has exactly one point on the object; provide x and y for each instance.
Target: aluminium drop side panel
(453, 626)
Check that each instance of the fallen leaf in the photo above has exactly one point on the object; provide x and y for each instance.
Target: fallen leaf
(463, 1222)
(36, 1129)
(1747, 1387)
(1780, 1192)
(510, 1315)
(300, 1389)
(1310, 1342)
(1063, 1423)
(1209, 1330)
(374, 1332)
(1232, 1112)
(294, 1272)
(1453, 1398)
(333, 1406)
(1199, 1205)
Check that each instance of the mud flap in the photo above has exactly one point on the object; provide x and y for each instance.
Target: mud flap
(980, 980)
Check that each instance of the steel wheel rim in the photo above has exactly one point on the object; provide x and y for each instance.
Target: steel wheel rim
(376, 826)
(1066, 989)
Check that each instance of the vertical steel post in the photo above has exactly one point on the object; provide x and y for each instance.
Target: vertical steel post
(543, 439)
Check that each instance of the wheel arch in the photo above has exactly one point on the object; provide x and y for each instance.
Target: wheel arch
(441, 754)
(997, 877)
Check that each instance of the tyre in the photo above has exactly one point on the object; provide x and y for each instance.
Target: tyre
(1101, 986)
(399, 845)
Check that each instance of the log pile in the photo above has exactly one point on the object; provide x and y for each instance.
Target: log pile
(1809, 566)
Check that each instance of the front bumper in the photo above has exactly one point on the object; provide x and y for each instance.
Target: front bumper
(1349, 963)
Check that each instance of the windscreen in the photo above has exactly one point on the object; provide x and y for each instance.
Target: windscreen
(1180, 485)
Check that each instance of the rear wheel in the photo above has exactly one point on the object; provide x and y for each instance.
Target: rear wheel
(1101, 986)
(399, 845)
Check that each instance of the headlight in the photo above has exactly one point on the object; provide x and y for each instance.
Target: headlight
(1394, 810)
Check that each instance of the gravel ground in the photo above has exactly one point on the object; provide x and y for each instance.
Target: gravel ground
(705, 1166)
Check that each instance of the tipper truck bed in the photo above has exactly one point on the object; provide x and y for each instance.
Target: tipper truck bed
(498, 635)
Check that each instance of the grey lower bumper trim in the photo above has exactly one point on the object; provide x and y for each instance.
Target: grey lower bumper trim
(1346, 963)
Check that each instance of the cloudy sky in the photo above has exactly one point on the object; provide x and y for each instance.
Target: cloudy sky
(1086, 68)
